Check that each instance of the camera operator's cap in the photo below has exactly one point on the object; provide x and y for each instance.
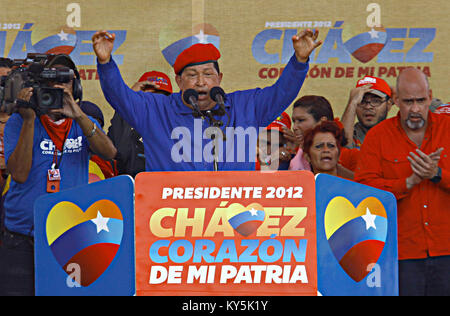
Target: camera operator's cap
(62, 59)
(284, 120)
(379, 86)
(160, 78)
(197, 54)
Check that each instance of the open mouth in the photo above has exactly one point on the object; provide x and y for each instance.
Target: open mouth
(202, 95)
(326, 159)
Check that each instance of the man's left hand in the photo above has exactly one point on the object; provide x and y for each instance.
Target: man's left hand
(425, 166)
(70, 108)
(304, 43)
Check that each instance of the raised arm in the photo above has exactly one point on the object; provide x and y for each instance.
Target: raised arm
(272, 101)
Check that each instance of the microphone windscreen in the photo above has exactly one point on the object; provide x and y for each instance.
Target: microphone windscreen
(35, 68)
(188, 94)
(214, 92)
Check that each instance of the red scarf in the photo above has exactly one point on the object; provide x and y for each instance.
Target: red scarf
(57, 132)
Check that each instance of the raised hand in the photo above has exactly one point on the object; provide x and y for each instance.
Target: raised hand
(357, 94)
(144, 86)
(304, 43)
(103, 43)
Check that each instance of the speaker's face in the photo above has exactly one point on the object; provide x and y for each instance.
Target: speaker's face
(201, 78)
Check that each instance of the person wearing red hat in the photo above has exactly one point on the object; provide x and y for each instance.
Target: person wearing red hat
(275, 151)
(154, 81)
(370, 102)
(130, 156)
(160, 119)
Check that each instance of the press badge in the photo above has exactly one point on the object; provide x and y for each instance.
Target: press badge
(53, 180)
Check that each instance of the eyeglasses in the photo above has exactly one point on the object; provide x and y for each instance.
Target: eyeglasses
(375, 102)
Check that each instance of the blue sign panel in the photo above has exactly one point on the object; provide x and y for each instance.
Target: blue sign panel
(84, 240)
(356, 238)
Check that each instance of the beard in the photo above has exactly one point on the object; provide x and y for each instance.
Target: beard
(415, 125)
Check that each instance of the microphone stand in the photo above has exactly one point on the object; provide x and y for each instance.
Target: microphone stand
(217, 124)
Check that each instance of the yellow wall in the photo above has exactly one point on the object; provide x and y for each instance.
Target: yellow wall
(419, 29)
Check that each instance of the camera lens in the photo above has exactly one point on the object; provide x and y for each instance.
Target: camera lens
(46, 99)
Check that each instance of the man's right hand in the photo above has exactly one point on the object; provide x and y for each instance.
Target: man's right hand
(28, 114)
(357, 94)
(145, 86)
(103, 43)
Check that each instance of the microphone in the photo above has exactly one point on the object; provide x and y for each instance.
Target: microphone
(190, 96)
(35, 68)
(217, 94)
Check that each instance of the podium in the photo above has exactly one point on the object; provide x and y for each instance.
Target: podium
(235, 233)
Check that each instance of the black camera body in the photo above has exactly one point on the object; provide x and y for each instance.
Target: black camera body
(32, 72)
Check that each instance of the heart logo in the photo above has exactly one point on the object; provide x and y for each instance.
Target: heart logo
(246, 220)
(62, 41)
(88, 239)
(356, 235)
(365, 46)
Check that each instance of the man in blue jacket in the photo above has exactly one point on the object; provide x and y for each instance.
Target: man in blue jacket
(174, 139)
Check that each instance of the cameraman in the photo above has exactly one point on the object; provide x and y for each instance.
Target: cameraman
(44, 154)
(5, 68)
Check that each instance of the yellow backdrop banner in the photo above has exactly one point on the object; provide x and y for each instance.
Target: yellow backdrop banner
(254, 37)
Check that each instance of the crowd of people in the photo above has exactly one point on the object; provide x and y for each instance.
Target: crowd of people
(406, 154)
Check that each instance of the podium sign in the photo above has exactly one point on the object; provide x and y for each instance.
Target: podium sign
(356, 238)
(84, 240)
(225, 233)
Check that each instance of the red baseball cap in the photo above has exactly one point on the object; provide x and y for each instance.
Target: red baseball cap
(379, 86)
(284, 120)
(197, 54)
(160, 78)
(443, 109)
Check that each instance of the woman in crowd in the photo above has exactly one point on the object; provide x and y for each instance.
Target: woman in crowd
(322, 148)
(308, 112)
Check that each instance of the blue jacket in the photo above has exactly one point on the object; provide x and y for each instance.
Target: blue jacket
(175, 141)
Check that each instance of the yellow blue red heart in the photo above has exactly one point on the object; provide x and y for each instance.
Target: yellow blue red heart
(365, 46)
(356, 235)
(246, 220)
(89, 239)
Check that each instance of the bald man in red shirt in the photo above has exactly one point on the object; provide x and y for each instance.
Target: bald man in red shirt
(409, 155)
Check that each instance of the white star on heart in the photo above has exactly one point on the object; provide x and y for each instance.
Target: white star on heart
(202, 37)
(373, 33)
(369, 218)
(101, 222)
(63, 36)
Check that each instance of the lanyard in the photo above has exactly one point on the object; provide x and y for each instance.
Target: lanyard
(55, 162)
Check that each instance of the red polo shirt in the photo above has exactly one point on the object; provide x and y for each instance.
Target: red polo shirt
(423, 211)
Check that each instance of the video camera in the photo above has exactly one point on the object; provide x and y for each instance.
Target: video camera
(34, 72)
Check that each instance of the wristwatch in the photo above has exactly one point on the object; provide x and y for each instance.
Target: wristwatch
(437, 178)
